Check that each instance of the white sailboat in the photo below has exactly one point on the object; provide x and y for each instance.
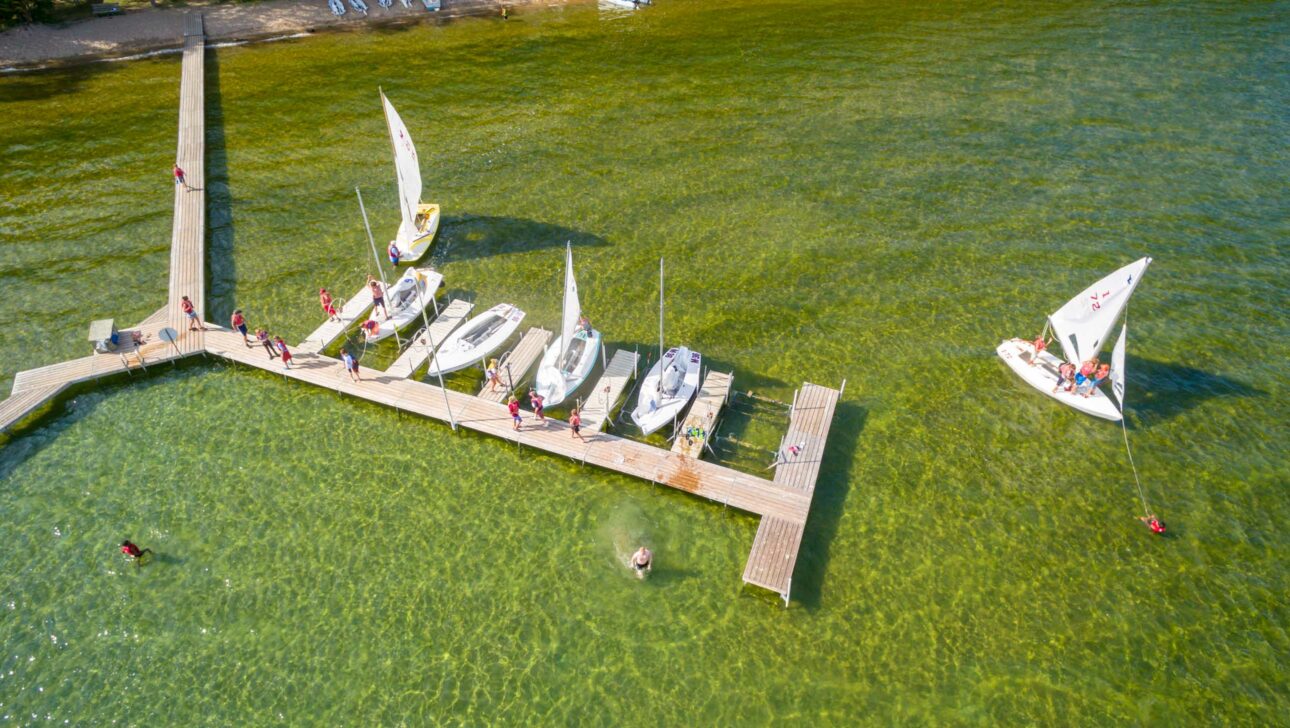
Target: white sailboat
(1081, 327)
(567, 361)
(476, 339)
(420, 221)
(671, 382)
(405, 300)
(337, 7)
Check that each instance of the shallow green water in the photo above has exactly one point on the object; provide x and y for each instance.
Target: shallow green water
(872, 191)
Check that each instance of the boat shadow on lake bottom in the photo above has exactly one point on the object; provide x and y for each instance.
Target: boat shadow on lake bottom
(1158, 391)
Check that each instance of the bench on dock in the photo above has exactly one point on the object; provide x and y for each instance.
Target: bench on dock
(103, 9)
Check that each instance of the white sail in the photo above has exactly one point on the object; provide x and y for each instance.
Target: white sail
(572, 310)
(1117, 367)
(1083, 323)
(408, 170)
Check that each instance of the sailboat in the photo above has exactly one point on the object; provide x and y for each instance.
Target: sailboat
(1081, 327)
(405, 300)
(478, 338)
(420, 221)
(671, 382)
(567, 361)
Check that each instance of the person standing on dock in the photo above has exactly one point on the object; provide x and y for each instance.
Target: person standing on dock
(535, 401)
(351, 365)
(378, 295)
(286, 353)
(393, 252)
(239, 323)
(514, 406)
(642, 561)
(575, 424)
(193, 323)
(262, 336)
(179, 177)
(492, 374)
(329, 308)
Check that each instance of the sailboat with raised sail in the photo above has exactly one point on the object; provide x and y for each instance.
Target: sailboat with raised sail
(1080, 327)
(420, 221)
(567, 361)
(671, 382)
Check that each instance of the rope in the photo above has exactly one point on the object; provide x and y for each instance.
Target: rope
(1124, 429)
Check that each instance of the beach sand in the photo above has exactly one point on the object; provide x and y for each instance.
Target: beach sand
(148, 29)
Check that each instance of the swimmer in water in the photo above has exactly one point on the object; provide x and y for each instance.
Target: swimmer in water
(642, 561)
(1156, 525)
(134, 552)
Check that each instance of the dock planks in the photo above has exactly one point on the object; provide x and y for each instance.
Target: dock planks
(703, 414)
(603, 399)
(188, 232)
(421, 344)
(516, 363)
(353, 310)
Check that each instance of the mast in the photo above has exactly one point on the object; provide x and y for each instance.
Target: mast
(659, 385)
(564, 308)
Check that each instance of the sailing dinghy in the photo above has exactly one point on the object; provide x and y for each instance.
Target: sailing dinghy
(1081, 327)
(671, 382)
(420, 221)
(567, 361)
(478, 338)
(405, 300)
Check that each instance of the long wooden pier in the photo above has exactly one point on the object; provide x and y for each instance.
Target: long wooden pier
(783, 503)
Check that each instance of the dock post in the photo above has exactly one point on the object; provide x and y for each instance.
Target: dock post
(788, 589)
(843, 389)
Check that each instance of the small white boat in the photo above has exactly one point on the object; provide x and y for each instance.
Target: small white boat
(337, 7)
(405, 300)
(420, 221)
(358, 5)
(432, 5)
(631, 4)
(406, 3)
(1080, 327)
(568, 360)
(476, 339)
(667, 389)
(671, 382)
(385, 3)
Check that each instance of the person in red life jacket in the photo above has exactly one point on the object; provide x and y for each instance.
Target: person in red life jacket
(393, 252)
(134, 552)
(370, 328)
(239, 323)
(1040, 344)
(286, 353)
(1156, 525)
(179, 177)
(324, 298)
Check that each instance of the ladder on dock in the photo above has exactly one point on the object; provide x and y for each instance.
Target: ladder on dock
(420, 345)
(515, 363)
(604, 396)
(701, 422)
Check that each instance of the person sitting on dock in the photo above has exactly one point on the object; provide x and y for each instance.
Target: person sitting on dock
(134, 552)
(393, 252)
(642, 561)
(194, 324)
(378, 295)
(329, 308)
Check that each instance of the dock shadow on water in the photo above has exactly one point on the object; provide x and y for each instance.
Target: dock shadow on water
(469, 237)
(830, 496)
(221, 270)
(1159, 391)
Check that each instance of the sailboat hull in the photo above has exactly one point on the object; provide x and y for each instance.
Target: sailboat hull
(655, 406)
(1018, 354)
(405, 300)
(413, 250)
(470, 343)
(556, 380)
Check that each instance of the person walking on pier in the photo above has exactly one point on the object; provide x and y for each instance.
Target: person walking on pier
(378, 295)
(194, 324)
(575, 424)
(262, 336)
(535, 401)
(239, 323)
(514, 406)
(492, 374)
(329, 308)
(286, 353)
(351, 365)
(179, 177)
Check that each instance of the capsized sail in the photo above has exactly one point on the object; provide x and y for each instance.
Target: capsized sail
(572, 309)
(408, 170)
(1082, 324)
(1117, 367)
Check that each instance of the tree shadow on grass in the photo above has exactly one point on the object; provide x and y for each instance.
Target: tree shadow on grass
(1158, 391)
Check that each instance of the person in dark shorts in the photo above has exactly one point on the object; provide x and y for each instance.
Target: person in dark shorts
(262, 336)
(194, 324)
(239, 323)
(642, 561)
(575, 424)
(378, 296)
(514, 406)
(535, 401)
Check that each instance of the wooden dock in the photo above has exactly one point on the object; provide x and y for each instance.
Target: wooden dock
(515, 363)
(188, 231)
(703, 414)
(353, 310)
(421, 345)
(774, 552)
(603, 400)
(783, 503)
